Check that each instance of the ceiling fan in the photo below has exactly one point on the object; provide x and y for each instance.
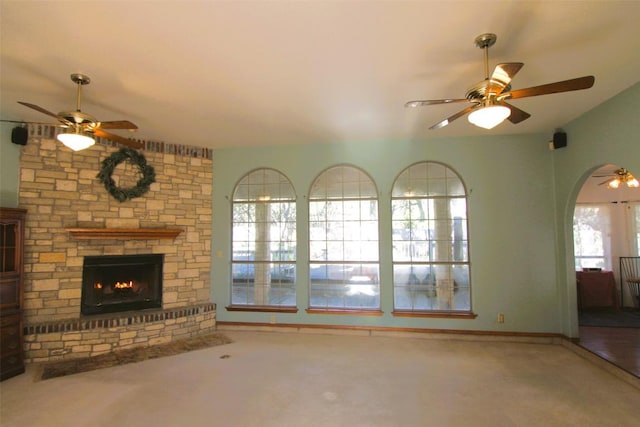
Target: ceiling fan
(619, 176)
(488, 98)
(80, 124)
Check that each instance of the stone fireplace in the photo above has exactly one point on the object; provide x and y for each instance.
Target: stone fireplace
(72, 219)
(121, 283)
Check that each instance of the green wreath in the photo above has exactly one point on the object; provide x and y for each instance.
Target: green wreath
(135, 158)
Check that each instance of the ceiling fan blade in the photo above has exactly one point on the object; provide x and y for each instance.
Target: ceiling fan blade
(117, 138)
(47, 112)
(457, 115)
(23, 122)
(432, 102)
(517, 115)
(614, 172)
(502, 76)
(117, 124)
(564, 86)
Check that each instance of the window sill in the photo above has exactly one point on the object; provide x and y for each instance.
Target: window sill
(262, 308)
(345, 312)
(438, 314)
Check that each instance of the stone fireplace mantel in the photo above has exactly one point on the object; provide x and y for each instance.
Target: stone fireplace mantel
(124, 233)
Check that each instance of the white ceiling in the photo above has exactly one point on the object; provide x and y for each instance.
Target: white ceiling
(247, 73)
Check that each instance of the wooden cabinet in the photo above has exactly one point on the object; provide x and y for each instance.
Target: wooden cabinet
(11, 291)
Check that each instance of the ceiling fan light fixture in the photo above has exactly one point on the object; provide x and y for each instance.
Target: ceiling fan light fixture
(83, 128)
(623, 177)
(613, 184)
(490, 116)
(76, 141)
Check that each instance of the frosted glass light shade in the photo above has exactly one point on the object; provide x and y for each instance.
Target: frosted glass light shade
(489, 117)
(76, 141)
(614, 184)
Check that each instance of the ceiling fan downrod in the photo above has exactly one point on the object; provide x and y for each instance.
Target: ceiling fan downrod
(80, 80)
(484, 41)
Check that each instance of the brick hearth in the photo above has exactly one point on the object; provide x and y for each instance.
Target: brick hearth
(94, 335)
(60, 190)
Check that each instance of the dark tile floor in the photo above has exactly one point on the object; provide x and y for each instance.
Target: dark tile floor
(620, 346)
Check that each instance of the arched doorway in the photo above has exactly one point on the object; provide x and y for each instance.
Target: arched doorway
(606, 228)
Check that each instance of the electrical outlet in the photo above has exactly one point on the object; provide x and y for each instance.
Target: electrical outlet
(500, 318)
(272, 320)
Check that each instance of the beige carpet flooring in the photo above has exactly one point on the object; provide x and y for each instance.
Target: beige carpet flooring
(317, 379)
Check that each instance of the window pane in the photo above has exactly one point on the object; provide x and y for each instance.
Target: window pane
(335, 250)
(343, 182)
(344, 286)
(431, 287)
(636, 228)
(269, 284)
(430, 240)
(454, 186)
(343, 246)
(437, 187)
(263, 184)
(263, 240)
(591, 239)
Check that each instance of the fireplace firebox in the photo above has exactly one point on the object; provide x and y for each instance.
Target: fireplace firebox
(115, 283)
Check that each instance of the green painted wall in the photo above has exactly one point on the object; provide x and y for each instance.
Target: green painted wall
(521, 198)
(511, 224)
(610, 133)
(521, 201)
(9, 167)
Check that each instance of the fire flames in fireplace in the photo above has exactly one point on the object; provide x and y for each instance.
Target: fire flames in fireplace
(121, 283)
(118, 286)
(124, 285)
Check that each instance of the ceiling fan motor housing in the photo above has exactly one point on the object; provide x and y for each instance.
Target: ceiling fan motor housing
(477, 92)
(77, 117)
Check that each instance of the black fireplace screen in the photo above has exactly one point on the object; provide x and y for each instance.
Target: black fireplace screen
(121, 283)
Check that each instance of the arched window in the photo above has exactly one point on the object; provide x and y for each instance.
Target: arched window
(592, 236)
(430, 240)
(263, 241)
(343, 241)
